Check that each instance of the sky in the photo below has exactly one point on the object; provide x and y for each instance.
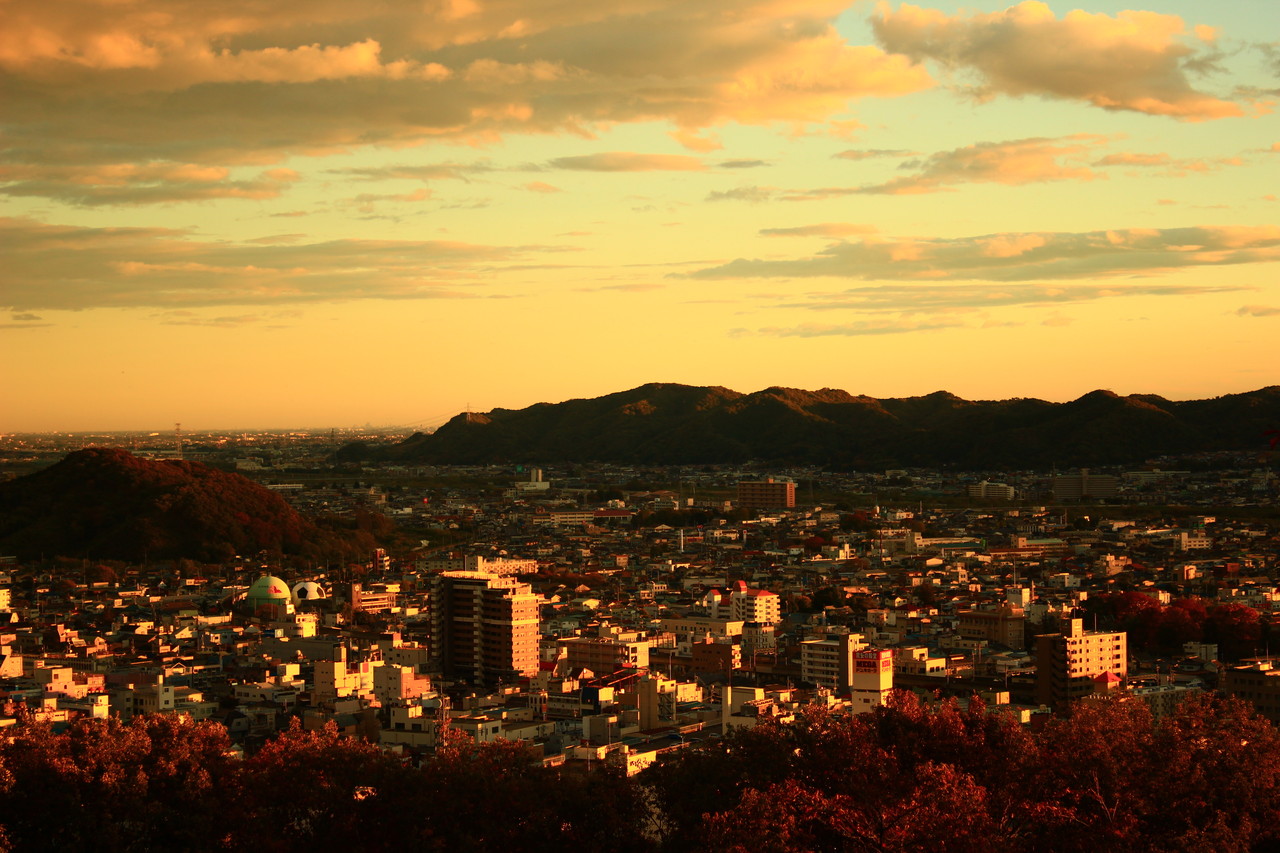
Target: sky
(251, 214)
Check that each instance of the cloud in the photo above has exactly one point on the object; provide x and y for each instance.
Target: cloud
(753, 195)
(1258, 311)
(1169, 166)
(695, 141)
(368, 202)
(1011, 163)
(147, 183)
(93, 83)
(741, 164)
(1134, 159)
(640, 287)
(1136, 61)
(27, 318)
(1014, 162)
(627, 161)
(226, 321)
(540, 187)
(861, 328)
(951, 298)
(869, 153)
(55, 267)
(1020, 257)
(825, 229)
(429, 172)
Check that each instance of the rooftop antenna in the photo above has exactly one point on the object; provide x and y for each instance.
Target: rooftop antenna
(177, 431)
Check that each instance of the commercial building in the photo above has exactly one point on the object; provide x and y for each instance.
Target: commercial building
(872, 678)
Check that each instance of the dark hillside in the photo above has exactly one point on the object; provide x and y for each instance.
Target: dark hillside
(108, 503)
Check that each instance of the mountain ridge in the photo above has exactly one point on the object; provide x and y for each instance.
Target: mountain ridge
(670, 423)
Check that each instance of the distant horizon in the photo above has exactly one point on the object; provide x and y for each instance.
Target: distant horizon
(425, 426)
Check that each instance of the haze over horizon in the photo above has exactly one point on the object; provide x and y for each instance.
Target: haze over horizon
(335, 214)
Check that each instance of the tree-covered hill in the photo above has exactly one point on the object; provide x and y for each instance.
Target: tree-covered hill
(107, 503)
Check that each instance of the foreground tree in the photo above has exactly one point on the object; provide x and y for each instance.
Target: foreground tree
(154, 783)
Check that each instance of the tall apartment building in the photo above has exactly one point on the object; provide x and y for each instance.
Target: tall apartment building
(766, 494)
(1076, 663)
(1082, 484)
(483, 627)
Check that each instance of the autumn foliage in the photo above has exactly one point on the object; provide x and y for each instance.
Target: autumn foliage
(1237, 629)
(1109, 776)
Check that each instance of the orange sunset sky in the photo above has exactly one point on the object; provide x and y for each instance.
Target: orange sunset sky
(252, 214)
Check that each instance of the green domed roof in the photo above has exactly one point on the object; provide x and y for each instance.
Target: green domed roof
(267, 589)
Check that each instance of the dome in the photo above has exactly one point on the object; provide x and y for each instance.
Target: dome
(308, 591)
(267, 589)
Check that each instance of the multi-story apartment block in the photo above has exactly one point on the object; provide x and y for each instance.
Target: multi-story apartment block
(1076, 663)
(1257, 682)
(989, 490)
(767, 494)
(1083, 484)
(604, 654)
(483, 627)
(828, 660)
(1004, 625)
(754, 605)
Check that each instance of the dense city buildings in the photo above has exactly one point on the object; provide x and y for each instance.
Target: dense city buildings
(615, 614)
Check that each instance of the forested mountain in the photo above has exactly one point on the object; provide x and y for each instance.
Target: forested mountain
(681, 424)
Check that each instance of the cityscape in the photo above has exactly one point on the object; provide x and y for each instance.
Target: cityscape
(617, 630)
(653, 426)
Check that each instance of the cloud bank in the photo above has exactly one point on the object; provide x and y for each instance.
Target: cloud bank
(1020, 256)
(1136, 61)
(52, 267)
(187, 85)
